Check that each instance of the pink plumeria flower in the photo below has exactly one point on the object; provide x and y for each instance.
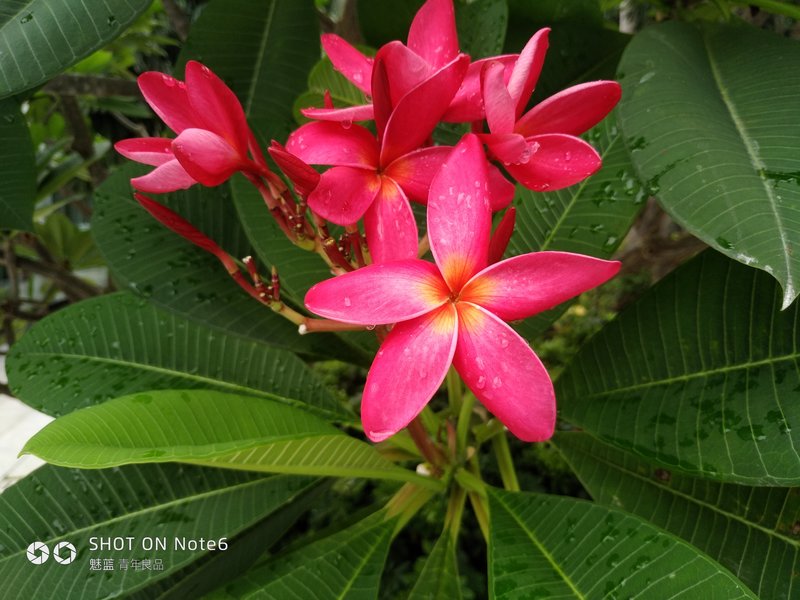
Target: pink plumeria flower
(540, 149)
(455, 311)
(374, 178)
(432, 43)
(213, 136)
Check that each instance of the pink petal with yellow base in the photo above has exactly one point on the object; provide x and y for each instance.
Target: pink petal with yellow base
(324, 143)
(459, 217)
(390, 226)
(149, 151)
(350, 62)
(525, 285)
(413, 119)
(415, 171)
(216, 106)
(527, 69)
(572, 111)
(168, 177)
(207, 157)
(344, 194)
(408, 369)
(362, 112)
(555, 161)
(504, 374)
(433, 32)
(380, 294)
(168, 99)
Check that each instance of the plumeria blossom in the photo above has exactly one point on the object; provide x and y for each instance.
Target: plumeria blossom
(432, 43)
(374, 178)
(455, 311)
(540, 148)
(213, 137)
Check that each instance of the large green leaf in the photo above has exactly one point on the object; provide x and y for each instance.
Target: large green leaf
(120, 344)
(172, 273)
(40, 38)
(148, 501)
(263, 50)
(751, 531)
(591, 217)
(710, 116)
(347, 564)
(324, 78)
(17, 169)
(211, 428)
(699, 375)
(439, 577)
(543, 546)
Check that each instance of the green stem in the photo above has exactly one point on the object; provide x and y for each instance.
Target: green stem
(464, 419)
(406, 503)
(773, 6)
(503, 455)
(454, 390)
(455, 511)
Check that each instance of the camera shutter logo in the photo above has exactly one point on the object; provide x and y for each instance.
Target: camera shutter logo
(38, 553)
(64, 553)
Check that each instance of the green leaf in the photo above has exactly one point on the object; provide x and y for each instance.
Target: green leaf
(347, 564)
(323, 77)
(749, 530)
(156, 263)
(263, 50)
(156, 501)
(710, 116)
(211, 428)
(40, 38)
(591, 217)
(702, 371)
(17, 168)
(439, 577)
(119, 344)
(481, 26)
(549, 546)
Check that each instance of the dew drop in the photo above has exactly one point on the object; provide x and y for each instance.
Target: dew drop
(347, 301)
(481, 383)
(497, 382)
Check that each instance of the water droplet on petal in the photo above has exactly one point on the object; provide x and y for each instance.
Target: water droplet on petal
(347, 301)
(347, 123)
(481, 383)
(497, 382)
(168, 81)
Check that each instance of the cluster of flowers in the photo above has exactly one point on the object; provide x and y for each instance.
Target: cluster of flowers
(455, 310)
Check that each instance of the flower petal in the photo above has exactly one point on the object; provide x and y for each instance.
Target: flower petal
(304, 178)
(459, 217)
(408, 369)
(433, 32)
(528, 284)
(324, 143)
(168, 177)
(556, 161)
(207, 157)
(405, 69)
(149, 151)
(413, 119)
(217, 105)
(501, 236)
(380, 294)
(571, 111)
(467, 105)
(509, 148)
(501, 190)
(356, 67)
(362, 112)
(497, 102)
(415, 170)
(344, 194)
(381, 96)
(504, 374)
(390, 226)
(167, 97)
(527, 69)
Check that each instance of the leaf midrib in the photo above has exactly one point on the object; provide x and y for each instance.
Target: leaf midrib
(257, 67)
(696, 375)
